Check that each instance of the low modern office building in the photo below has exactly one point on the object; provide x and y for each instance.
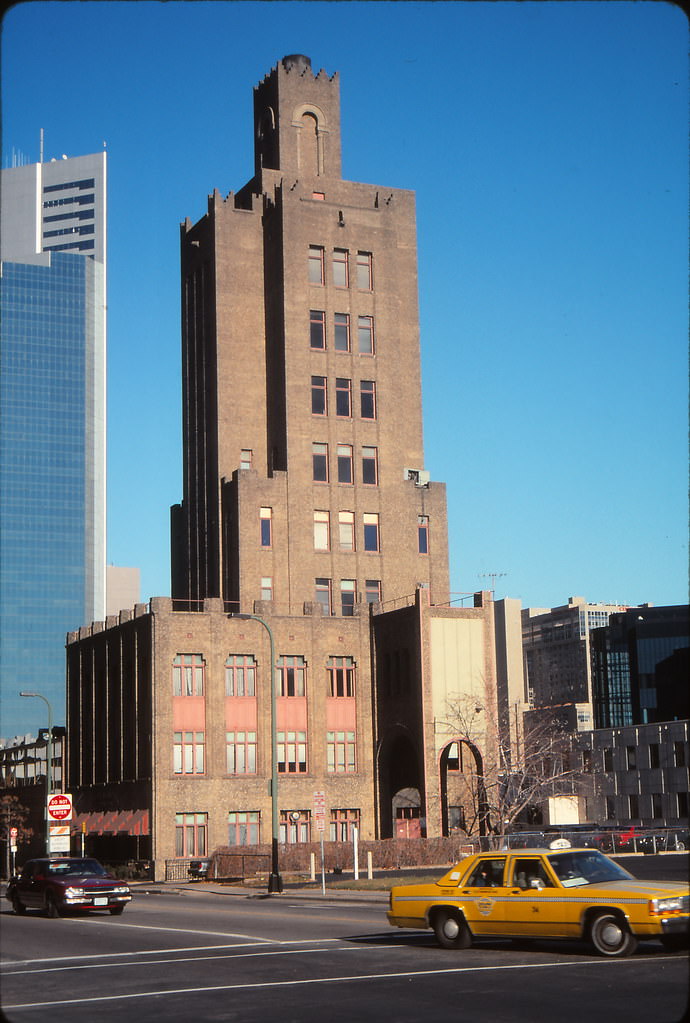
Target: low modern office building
(641, 775)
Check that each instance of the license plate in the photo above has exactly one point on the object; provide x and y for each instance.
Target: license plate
(100, 902)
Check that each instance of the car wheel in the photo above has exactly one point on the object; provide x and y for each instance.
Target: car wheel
(610, 936)
(17, 905)
(52, 908)
(116, 910)
(451, 930)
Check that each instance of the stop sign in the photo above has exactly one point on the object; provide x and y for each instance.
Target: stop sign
(60, 807)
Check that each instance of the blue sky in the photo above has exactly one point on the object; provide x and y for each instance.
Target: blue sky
(547, 145)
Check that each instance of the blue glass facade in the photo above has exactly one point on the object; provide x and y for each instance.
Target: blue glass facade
(46, 386)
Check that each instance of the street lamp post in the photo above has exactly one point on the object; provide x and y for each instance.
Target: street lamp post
(275, 881)
(49, 763)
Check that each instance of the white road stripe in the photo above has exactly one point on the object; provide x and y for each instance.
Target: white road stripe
(264, 985)
(163, 951)
(186, 959)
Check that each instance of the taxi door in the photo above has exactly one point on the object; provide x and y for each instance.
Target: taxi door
(482, 896)
(533, 906)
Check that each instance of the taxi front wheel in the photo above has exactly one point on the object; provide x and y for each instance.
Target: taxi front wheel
(451, 930)
(610, 936)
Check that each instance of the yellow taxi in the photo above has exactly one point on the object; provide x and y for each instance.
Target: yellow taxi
(546, 893)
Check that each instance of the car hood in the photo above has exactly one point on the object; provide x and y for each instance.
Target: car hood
(654, 889)
(85, 881)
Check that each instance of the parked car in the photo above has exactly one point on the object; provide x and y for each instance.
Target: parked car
(57, 885)
(198, 869)
(546, 893)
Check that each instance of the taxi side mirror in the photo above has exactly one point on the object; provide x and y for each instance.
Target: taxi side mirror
(537, 883)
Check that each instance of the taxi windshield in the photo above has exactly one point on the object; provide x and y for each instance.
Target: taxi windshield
(586, 867)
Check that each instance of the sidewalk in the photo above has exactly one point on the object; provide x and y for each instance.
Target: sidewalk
(297, 891)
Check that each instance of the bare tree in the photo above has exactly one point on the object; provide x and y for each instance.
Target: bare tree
(503, 784)
(13, 814)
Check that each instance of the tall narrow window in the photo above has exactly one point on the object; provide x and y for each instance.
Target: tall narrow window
(317, 329)
(365, 335)
(266, 587)
(365, 277)
(346, 530)
(341, 332)
(372, 591)
(322, 594)
(348, 593)
(371, 532)
(341, 676)
(292, 752)
(345, 463)
(245, 458)
(320, 463)
(423, 534)
(240, 750)
(315, 264)
(322, 530)
(343, 397)
(292, 673)
(188, 675)
(244, 827)
(188, 752)
(266, 520)
(319, 405)
(370, 466)
(295, 827)
(341, 825)
(340, 748)
(368, 399)
(340, 275)
(240, 675)
(191, 830)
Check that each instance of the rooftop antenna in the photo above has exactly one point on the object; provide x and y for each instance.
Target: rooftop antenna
(493, 576)
(41, 152)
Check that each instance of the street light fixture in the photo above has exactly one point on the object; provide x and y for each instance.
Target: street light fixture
(275, 881)
(49, 762)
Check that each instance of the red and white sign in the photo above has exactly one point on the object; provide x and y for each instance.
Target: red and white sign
(60, 807)
(13, 834)
(320, 811)
(59, 838)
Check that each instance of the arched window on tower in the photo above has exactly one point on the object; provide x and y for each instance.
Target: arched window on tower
(309, 145)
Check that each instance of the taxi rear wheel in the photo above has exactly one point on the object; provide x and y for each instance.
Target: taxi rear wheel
(451, 930)
(610, 935)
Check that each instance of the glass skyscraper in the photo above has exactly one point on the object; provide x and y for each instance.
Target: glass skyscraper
(52, 427)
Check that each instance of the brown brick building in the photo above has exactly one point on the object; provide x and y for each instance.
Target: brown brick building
(305, 502)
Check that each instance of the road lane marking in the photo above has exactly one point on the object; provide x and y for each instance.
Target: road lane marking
(186, 959)
(265, 985)
(164, 951)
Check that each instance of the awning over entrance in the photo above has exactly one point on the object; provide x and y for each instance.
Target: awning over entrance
(112, 822)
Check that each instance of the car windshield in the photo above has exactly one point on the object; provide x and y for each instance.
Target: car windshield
(587, 867)
(84, 868)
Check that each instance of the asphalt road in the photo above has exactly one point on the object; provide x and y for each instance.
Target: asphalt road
(203, 955)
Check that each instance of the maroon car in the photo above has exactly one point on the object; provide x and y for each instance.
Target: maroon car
(59, 884)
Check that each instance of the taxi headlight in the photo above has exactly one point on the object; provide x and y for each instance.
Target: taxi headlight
(74, 893)
(121, 891)
(673, 905)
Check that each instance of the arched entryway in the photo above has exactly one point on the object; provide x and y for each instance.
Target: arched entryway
(464, 804)
(400, 787)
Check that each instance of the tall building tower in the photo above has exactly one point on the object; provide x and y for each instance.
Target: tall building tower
(304, 477)
(52, 431)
